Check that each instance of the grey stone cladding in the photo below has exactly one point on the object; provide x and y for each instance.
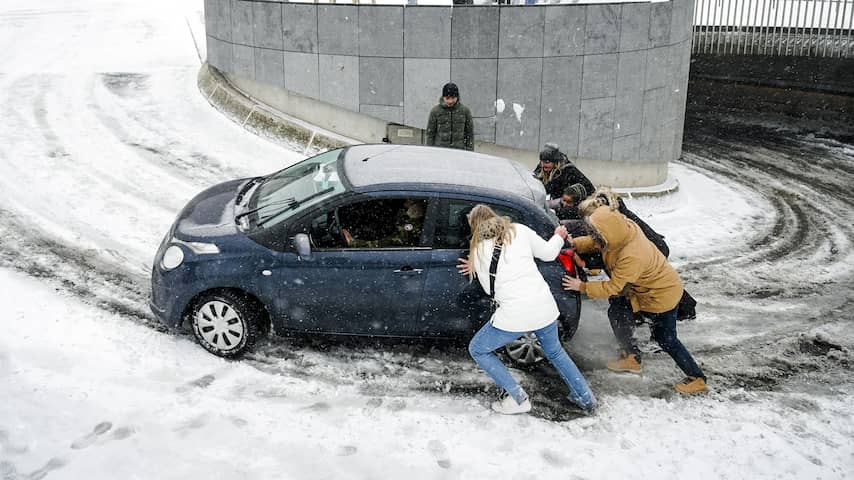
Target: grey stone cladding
(605, 81)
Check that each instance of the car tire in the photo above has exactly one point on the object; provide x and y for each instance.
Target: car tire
(527, 352)
(225, 323)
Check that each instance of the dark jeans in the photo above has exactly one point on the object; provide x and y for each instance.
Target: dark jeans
(663, 328)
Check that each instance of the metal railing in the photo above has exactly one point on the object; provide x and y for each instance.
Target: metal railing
(809, 28)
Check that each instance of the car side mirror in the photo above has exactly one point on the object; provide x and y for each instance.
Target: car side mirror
(303, 245)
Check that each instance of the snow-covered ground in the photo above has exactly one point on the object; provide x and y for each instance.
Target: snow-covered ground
(104, 136)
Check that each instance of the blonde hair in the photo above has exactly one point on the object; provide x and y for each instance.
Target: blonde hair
(486, 224)
(602, 197)
(547, 176)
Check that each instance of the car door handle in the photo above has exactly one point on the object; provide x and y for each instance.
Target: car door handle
(407, 270)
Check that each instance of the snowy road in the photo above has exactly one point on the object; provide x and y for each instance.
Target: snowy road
(104, 137)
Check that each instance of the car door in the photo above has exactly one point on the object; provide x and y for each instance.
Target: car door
(452, 304)
(370, 287)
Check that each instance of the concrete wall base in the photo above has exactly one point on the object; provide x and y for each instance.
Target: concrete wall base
(263, 121)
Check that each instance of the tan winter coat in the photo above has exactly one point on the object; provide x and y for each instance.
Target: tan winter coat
(637, 269)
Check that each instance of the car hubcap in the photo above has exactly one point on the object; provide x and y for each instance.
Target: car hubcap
(220, 325)
(526, 350)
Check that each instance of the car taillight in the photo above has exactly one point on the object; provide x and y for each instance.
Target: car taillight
(565, 258)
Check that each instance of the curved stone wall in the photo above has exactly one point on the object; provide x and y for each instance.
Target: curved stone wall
(605, 81)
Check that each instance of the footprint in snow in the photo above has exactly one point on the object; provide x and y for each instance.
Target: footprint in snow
(7, 446)
(346, 450)
(440, 453)
(201, 382)
(90, 437)
(52, 464)
(397, 405)
(318, 407)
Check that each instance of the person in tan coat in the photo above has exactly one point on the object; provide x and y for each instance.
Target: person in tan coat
(640, 274)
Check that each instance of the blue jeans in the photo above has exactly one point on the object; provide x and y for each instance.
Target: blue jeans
(663, 329)
(490, 338)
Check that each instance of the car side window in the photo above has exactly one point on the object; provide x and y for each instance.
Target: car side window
(452, 226)
(371, 224)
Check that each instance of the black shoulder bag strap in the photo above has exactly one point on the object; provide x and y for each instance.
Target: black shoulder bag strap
(493, 269)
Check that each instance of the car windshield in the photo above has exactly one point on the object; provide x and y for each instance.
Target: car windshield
(288, 192)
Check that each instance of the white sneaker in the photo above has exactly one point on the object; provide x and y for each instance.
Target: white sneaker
(507, 405)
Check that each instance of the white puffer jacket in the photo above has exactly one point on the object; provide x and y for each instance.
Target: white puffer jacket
(525, 302)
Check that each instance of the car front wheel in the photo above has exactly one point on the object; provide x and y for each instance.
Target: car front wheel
(225, 323)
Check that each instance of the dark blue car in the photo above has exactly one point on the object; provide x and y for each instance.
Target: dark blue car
(362, 240)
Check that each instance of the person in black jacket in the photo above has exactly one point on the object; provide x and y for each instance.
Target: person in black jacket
(557, 172)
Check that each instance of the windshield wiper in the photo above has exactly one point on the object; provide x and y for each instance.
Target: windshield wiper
(247, 188)
(290, 203)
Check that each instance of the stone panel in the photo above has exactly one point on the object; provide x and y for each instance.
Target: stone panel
(478, 83)
(628, 114)
(634, 26)
(659, 24)
(519, 82)
(422, 83)
(474, 32)
(521, 32)
(241, 21)
(270, 67)
(383, 112)
(381, 81)
(339, 80)
(299, 27)
(338, 29)
(602, 30)
(681, 20)
(219, 54)
(427, 33)
(218, 19)
(600, 76)
(597, 128)
(650, 141)
(564, 31)
(267, 25)
(626, 148)
(656, 67)
(381, 31)
(561, 105)
(244, 62)
(631, 72)
(484, 129)
(301, 73)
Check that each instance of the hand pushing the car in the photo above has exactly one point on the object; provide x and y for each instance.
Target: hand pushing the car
(464, 267)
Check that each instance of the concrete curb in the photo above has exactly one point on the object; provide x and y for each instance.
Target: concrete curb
(262, 120)
(671, 185)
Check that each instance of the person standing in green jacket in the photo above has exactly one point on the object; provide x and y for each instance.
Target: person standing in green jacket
(450, 124)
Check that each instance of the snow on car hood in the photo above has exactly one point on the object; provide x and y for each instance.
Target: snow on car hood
(210, 213)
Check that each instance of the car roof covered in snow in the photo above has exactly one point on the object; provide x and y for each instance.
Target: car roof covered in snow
(385, 164)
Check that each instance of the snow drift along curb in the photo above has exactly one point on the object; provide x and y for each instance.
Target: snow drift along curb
(261, 119)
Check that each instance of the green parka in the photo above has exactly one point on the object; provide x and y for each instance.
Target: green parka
(450, 126)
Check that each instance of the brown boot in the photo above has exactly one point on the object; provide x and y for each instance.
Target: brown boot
(691, 385)
(627, 363)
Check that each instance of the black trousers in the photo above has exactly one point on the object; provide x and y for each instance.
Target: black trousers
(663, 327)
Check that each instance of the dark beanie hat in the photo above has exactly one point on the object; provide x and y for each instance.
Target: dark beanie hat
(551, 152)
(450, 90)
(577, 190)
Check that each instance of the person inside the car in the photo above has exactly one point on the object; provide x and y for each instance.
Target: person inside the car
(372, 229)
(501, 256)
(641, 281)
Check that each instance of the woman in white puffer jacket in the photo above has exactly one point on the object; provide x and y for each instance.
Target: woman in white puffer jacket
(525, 304)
